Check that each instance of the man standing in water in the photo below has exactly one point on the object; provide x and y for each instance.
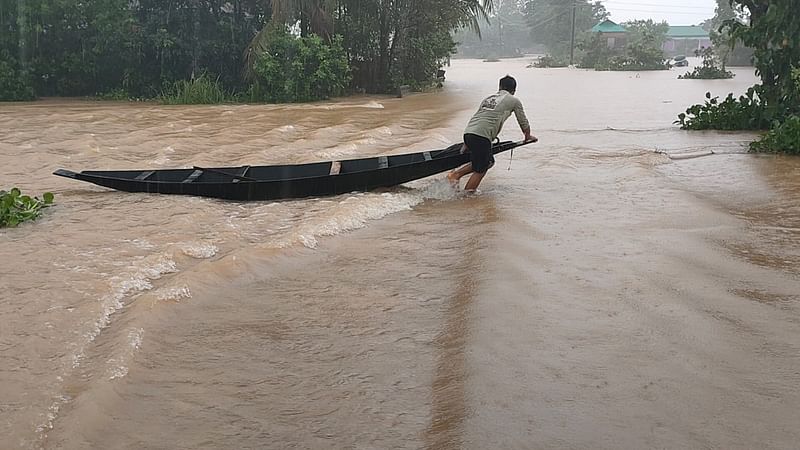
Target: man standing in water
(484, 127)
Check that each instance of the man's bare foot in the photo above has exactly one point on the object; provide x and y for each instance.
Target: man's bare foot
(452, 178)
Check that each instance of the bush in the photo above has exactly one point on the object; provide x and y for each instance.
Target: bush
(548, 61)
(632, 63)
(16, 208)
(14, 83)
(643, 51)
(775, 103)
(198, 91)
(710, 70)
(117, 94)
(597, 52)
(750, 112)
(745, 113)
(640, 55)
(297, 69)
(785, 138)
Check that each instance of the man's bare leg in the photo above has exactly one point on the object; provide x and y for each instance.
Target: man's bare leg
(454, 176)
(474, 181)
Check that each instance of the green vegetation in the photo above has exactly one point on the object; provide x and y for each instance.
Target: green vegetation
(744, 113)
(712, 69)
(16, 208)
(117, 94)
(548, 61)
(596, 52)
(198, 91)
(208, 50)
(774, 35)
(299, 68)
(14, 83)
(643, 50)
(550, 22)
(782, 139)
(731, 51)
(506, 35)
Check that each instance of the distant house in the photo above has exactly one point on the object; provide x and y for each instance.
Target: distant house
(616, 35)
(684, 40)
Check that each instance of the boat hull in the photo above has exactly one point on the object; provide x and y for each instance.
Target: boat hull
(284, 182)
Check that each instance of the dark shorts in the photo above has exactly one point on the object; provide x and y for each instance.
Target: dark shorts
(480, 150)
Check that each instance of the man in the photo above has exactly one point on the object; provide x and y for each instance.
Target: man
(484, 127)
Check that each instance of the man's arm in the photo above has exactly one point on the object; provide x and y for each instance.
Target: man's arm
(522, 120)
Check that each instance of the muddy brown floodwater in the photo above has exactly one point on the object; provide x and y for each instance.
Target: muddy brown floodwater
(599, 294)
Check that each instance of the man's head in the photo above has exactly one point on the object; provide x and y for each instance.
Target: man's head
(508, 83)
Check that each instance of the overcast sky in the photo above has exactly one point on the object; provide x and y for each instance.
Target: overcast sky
(676, 12)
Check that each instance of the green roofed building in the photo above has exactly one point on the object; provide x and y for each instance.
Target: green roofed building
(615, 34)
(608, 26)
(681, 40)
(684, 40)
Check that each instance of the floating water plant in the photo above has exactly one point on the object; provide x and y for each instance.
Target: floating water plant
(16, 208)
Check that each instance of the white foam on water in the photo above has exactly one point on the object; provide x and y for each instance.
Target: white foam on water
(372, 104)
(163, 156)
(118, 366)
(199, 250)
(161, 160)
(349, 214)
(380, 132)
(143, 244)
(358, 210)
(366, 141)
(286, 128)
(136, 279)
(52, 414)
(338, 151)
(439, 189)
(173, 294)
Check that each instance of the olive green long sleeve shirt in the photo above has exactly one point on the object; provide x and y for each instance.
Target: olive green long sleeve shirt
(493, 112)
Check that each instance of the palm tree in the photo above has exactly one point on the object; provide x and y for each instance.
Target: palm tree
(312, 16)
(472, 12)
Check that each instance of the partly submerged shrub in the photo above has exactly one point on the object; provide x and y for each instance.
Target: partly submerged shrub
(744, 113)
(202, 90)
(785, 138)
(710, 70)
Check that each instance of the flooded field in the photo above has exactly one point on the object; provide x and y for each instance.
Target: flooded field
(602, 293)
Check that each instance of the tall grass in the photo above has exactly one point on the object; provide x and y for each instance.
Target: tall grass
(198, 91)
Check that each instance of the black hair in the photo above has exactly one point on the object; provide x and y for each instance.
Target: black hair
(508, 83)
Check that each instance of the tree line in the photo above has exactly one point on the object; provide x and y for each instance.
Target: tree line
(265, 50)
(144, 47)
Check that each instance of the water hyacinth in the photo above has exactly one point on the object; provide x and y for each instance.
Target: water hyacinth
(16, 208)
